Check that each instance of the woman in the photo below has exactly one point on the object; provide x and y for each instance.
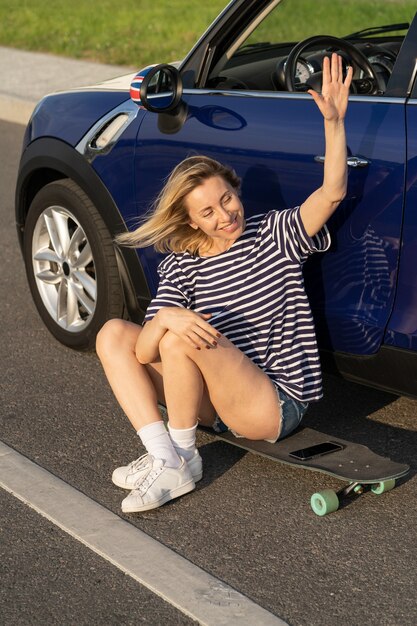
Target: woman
(230, 332)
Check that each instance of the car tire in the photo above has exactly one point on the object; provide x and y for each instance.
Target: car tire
(71, 264)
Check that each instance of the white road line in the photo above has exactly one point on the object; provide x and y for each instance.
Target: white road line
(187, 587)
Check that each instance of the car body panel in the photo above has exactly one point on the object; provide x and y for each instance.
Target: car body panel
(80, 110)
(117, 172)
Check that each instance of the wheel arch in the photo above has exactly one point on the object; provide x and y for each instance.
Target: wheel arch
(48, 159)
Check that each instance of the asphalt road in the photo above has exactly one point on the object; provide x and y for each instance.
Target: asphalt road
(249, 521)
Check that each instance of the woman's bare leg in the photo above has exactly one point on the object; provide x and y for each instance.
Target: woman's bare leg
(242, 393)
(130, 381)
(163, 474)
(194, 381)
(137, 387)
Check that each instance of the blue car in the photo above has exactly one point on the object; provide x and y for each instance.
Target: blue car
(95, 158)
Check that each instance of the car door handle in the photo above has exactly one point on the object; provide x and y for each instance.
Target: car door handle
(351, 161)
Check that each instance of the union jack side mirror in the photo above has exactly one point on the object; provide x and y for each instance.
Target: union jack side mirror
(157, 88)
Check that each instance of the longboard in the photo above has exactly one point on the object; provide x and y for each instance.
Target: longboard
(321, 452)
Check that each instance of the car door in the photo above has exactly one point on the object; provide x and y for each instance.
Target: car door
(402, 327)
(274, 141)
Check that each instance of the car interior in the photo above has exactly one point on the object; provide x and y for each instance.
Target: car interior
(256, 64)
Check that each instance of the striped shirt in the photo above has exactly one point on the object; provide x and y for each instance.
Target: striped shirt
(255, 293)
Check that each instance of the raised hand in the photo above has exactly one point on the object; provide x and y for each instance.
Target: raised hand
(333, 99)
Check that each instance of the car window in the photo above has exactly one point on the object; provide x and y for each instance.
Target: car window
(256, 58)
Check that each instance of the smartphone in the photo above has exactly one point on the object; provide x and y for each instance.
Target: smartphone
(327, 447)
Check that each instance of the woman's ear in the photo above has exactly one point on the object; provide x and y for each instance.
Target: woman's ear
(193, 225)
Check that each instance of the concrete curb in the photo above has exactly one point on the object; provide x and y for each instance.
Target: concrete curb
(14, 110)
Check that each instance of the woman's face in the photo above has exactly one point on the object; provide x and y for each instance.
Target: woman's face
(215, 208)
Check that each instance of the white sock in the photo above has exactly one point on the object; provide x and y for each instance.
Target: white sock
(157, 442)
(183, 440)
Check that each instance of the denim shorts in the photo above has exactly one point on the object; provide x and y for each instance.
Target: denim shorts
(292, 412)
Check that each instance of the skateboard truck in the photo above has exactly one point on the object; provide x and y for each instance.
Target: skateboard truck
(329, 500)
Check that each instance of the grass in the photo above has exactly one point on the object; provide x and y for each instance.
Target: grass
(138, 32)
(129, 32)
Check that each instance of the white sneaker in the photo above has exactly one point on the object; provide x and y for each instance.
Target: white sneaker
(159, 485)
(127, 476)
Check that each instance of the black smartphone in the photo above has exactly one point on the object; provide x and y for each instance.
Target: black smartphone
(305, 454)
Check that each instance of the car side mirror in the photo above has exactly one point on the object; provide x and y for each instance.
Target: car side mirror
(157, 88)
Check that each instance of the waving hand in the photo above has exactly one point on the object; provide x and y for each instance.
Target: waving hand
(333, 99)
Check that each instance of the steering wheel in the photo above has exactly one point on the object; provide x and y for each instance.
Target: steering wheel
(370, 84)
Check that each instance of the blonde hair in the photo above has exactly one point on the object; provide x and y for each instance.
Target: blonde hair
(166, 226)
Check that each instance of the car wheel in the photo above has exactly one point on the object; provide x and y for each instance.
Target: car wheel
(71, 264)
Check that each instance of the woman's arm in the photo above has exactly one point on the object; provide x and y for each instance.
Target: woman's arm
(332, 102)
(147, 345)
(188, 325)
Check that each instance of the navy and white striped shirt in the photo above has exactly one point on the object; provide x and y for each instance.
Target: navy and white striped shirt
(255, 293)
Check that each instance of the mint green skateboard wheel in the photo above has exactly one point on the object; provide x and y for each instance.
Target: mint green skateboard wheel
(324, 502)
(383, 486)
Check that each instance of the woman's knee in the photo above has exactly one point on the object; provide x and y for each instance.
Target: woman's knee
(116, 334)
(170, 344)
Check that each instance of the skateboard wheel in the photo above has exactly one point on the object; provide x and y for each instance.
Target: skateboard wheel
(383, 486)
(324, 502)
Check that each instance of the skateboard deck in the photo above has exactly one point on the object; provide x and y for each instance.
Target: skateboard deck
(337, 457)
